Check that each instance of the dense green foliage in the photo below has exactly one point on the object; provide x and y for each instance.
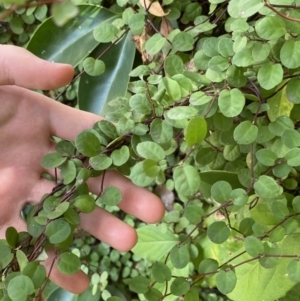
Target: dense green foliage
(202, 106)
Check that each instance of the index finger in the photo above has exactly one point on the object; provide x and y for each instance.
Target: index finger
(20, 67)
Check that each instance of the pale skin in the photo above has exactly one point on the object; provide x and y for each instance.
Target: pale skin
(28, 120)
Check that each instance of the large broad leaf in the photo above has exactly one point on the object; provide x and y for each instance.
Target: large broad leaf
(265, 284)
(95, 92)
(153, 243)
(72, 42)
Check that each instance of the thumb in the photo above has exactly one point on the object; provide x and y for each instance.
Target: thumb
(20, 67)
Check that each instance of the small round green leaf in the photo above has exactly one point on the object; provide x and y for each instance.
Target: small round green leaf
(111, 196)
(150, 150)
(293, 270)
(19, 288)
(179, 286)
(220, 191)
(161, 272)
(245, 132)
(139, 284)
(226, 281)
(68, 263)
(270, 75)
(105, 32)
(195, 131)
(53, 160)
(85, 203)
(100, 162)
(208, 265)
(218, 232)
(58, 231)
(253, 246)
(267, 187)
(88, 143)
(180, 256)
(231, 102)
(93, 67)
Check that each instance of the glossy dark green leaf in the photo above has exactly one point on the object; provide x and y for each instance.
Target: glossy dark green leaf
(57, 44)
(95, 92)
(68, 263)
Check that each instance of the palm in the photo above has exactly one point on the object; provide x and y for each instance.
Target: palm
(27, 122)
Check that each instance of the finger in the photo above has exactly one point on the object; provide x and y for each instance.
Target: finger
(76, 283)
(20, 67)
(109, 229)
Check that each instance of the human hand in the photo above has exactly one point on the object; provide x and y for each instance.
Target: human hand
(27, 122)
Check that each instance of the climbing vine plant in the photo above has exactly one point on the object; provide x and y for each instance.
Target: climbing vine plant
(206, 115)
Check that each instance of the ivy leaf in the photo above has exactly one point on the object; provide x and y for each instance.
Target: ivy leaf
(195, 131)
(186, 179)
(226, 281)
(93, 67)
(231, 102)
(68, 263)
